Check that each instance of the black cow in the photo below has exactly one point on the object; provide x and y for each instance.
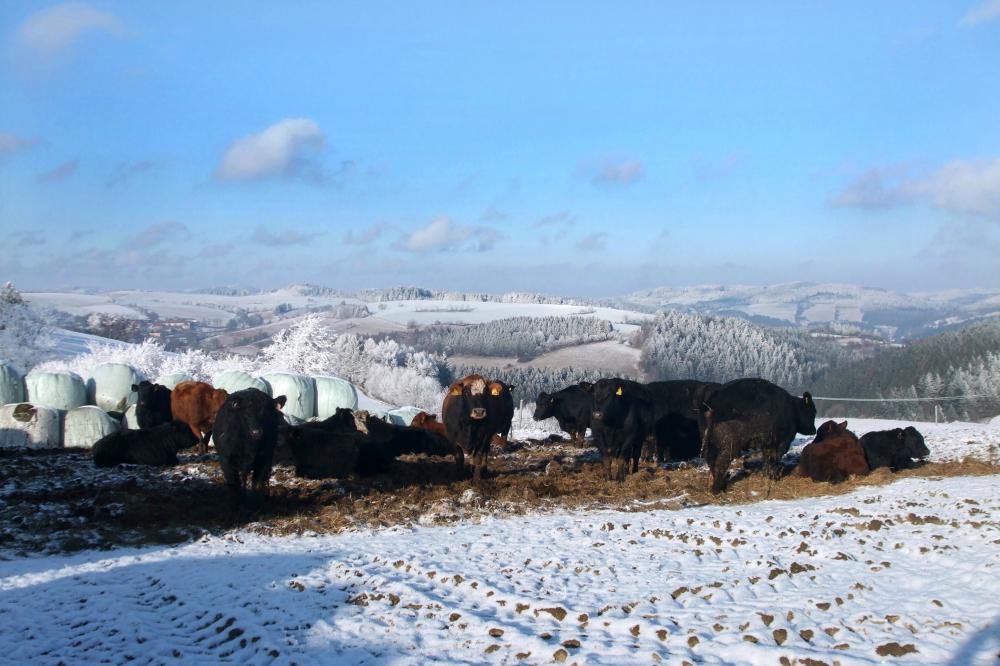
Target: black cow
(752, 413)
(676, 408)
(571, 407)
(152, 406)
(321, 451)
(500, 408)
(245, 434)
(467, 421)
(150, 446)
(894, 448)
(621, 418)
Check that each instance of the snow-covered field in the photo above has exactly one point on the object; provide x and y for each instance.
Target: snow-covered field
(906, 570)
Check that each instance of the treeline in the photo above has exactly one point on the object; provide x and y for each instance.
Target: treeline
(957, 363)
(676, 345)
(522, 337)
(419, 293)
(529, 381)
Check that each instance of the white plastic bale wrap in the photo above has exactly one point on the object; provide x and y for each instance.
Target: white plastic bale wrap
(59, 390)
(109, 386)
(24, 425)
(300, 391)
(83, 426)
(11, 384)
(402, 415)
(172, 380)
(292, 420)
(130, 421)
(334, 392)
(237, 380)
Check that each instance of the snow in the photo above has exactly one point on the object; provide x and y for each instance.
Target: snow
(425, 312)
(909, 566)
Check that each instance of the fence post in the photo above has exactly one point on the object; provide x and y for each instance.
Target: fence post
(520, 416)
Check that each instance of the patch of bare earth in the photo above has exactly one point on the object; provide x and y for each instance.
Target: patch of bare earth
(57, 501)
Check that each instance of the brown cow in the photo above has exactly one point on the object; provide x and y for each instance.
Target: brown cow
(429, 422)
(834, 455)
(196, 404)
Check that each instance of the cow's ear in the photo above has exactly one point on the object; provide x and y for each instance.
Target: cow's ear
(588, 387)
(235, 402)
(279, 402)
(455, 390)
(899, 435)
(619, 391)
(807, 398)
(510, 387)
(135, 389)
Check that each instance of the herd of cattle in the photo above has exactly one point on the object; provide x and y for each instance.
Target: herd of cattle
(682, 419)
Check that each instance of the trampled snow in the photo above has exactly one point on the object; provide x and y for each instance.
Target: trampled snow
(907, 569)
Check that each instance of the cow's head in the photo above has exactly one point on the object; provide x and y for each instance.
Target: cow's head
(805, 414)
(911, 443)
(545, 406)
(474, 395)
(830, 429)
(613, 398)
(257, 415)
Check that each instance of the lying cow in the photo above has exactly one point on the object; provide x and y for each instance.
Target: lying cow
(570, 407)
(429, 422)
(246, 433)
(152, 405)
(196, 403)
(894, 448)
(833, 455)
(322, 451)
(149, 446)
(752, 413)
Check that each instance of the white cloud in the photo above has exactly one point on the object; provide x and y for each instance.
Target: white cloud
(59, 173)
(443, 234)
(982, 13)
(609, 172)
(11, 143)
(562, 217)
(160, 233)
(961, 186)
(595, 242)
(283, 149)
(52, 30)
(365, 237)
(264, 237)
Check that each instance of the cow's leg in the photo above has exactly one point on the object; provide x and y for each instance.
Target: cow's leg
(720, 470)
(203, 443)
(771, 460)
(262, 480)
(234, 487)
(197, 434)
(459, 461)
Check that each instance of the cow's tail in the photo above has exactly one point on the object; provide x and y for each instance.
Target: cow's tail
(706, 435)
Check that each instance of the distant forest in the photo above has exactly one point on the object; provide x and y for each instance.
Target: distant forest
(520, 337)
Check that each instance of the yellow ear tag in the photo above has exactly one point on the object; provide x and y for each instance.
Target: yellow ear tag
(455, 391)
(494, 391)
(619, 391)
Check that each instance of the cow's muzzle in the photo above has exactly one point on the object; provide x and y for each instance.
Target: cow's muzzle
(478, 414)
(256, 433)
(597, 416)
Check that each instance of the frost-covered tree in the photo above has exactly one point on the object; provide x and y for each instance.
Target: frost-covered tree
(24, 336)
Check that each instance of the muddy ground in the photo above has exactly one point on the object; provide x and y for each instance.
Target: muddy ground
(57, 501)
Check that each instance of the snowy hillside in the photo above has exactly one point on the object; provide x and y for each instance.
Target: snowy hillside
(893, 314)
(839, 579)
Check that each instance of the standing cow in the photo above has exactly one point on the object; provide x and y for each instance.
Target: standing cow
(752, 413)
(246, 434)
(571, 407)
(196, 403)
(621, 418)
(676, 408)
(466, 418)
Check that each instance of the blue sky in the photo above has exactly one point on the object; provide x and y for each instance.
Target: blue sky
(575, 148)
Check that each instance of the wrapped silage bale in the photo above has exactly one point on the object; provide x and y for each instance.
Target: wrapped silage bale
(402, 415)
(59, 390)
(85, 425)
(11, 384)
(334, 392)
(237, 380)
(173, 379)
(30, 426)
(293, 420)
(109, 386)
(300, 391)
